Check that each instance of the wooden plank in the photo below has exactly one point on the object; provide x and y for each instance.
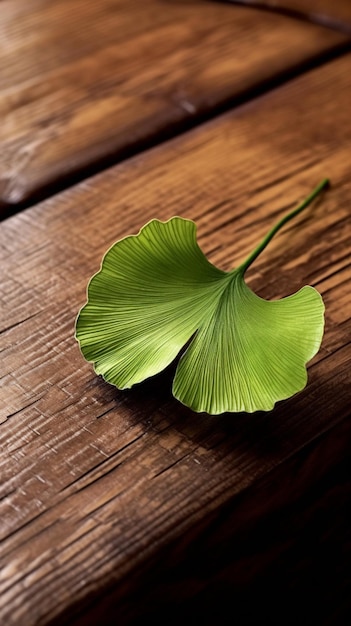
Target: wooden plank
(332, 13)
(84, 83)
(283, 543)
(97, 482)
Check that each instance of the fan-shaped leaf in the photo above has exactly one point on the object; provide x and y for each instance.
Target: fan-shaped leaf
(156, 291)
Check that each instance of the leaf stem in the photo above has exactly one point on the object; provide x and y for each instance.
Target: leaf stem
(253, 256)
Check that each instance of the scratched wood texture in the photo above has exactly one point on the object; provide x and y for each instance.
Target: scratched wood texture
(85, 83)
(98, 483)
(284, 542)
(332, 13)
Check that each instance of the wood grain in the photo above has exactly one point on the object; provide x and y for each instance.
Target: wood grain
(284, 542)
(85, 83)
(332, 13)
(97, 482)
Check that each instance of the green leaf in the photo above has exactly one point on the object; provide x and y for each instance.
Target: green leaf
(156, 291)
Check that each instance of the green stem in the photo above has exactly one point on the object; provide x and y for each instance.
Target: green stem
(246, 264)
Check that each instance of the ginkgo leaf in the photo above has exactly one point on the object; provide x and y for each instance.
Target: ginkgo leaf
(156, 291)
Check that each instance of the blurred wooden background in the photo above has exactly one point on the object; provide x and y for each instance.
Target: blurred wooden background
(124, 506)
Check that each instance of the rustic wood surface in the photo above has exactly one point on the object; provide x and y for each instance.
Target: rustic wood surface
(332, 13)
(280, 544)
(96, 483)
(85, 83)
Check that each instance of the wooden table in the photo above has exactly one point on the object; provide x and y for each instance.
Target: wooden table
(125, 507)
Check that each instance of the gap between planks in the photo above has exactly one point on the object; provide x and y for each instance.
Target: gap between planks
(177, 129)
(309, 12)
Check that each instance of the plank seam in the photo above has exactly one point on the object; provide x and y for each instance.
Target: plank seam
(7, 209)
(319, 19)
